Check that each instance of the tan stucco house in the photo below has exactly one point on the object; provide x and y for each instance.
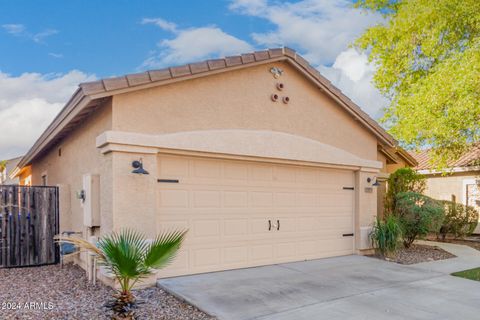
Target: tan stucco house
(460, 181)
(10, 166)
(258, 155)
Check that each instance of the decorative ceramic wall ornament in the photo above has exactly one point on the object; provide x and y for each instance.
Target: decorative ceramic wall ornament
(276, 71)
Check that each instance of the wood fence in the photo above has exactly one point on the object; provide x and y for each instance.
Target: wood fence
(29, 219)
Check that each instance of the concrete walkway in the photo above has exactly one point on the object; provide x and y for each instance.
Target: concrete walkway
(350, 287)
(467, 258)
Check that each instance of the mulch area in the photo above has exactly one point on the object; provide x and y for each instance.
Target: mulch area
(419, 253)
(50, 292)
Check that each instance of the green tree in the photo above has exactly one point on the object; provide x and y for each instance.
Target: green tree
(402, 180)
(3, 165)
(427, 55)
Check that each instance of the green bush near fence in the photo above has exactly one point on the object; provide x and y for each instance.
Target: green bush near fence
(460, 220)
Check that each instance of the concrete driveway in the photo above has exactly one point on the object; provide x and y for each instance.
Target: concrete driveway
(350, 287)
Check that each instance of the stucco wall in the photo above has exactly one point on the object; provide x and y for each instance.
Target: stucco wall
(443, 187)
(241, 100)
(79, 156)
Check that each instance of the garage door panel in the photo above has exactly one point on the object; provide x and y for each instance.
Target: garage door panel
(204, 198)
(174, 198)
(284, 199)
(206, 258)
(232, 199)
(236, 228)
(259, 227)
(306, 176)
(226, 205)
(285, 251)
(236, 256)
(284, 174)
(174, 167)
(206, 228)
(261, 199)
(260, 172)
(203, 168)
(235, 171)
(307, 199)
(261, 253)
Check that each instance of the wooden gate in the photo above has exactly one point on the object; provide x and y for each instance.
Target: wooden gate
(29, 220)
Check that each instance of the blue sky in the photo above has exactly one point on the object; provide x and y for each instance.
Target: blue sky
(103, 37)
(47, 47)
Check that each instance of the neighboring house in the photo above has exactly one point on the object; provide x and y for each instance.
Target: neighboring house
(5, 178)
(460, 181)
(259, 156)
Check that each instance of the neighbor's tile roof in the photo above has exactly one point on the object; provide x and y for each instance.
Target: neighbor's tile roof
(469, 158)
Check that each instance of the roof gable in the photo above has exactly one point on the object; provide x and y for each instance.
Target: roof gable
(91, 94)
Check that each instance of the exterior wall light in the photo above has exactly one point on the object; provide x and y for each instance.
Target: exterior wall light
(138, 167)
(81, 195)
(375, 184)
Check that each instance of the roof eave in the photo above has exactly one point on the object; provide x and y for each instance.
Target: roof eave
(58, 122)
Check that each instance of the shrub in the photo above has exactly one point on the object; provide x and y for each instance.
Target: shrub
(460, 220)
(386, 235)
(402, 180)
(418, 215)
(130, 257)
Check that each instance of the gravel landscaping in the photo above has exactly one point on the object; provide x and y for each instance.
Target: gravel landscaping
(420, 253)
(50, 292)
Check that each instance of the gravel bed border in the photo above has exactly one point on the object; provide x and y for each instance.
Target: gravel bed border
(52, 292)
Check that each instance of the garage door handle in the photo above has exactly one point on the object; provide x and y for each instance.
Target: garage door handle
(269, 225)
(278, 224)
(348, 234)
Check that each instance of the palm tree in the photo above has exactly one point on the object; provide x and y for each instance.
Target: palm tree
(130, 257)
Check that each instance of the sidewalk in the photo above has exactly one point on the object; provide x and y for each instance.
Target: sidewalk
(467, 258)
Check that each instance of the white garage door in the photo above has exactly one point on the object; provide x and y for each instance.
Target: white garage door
(244, 214)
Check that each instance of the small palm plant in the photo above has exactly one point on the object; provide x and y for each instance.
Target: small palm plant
(130, 257)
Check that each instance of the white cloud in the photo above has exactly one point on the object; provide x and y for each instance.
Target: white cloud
(40, 37)
(319, 28)
(20, 30)
(55, 55)
(353, 75)
(161, 23)
(28, 103)
(14, 29)
(190, 45)
(251, 7)
(353, 64)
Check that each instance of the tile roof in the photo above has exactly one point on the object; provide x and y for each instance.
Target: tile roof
(469, 158)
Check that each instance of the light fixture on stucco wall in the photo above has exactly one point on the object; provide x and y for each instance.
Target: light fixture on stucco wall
(375, 184)
(138, 167)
